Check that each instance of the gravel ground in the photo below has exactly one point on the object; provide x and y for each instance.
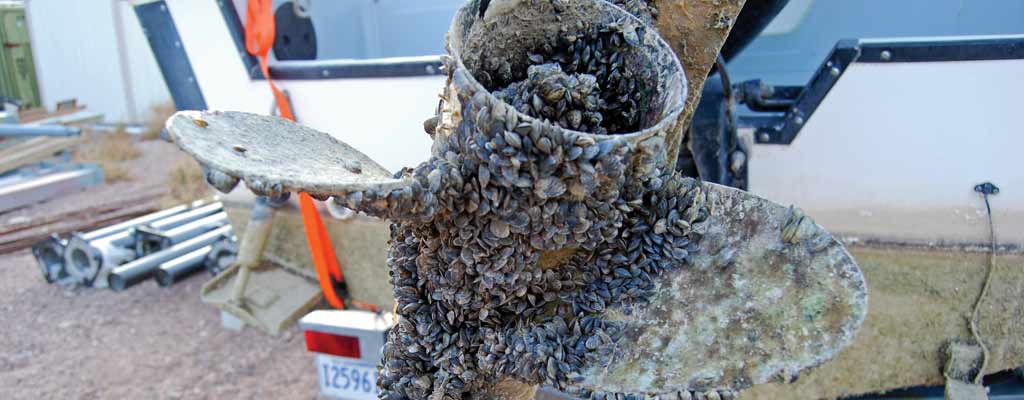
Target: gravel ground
(146, 342)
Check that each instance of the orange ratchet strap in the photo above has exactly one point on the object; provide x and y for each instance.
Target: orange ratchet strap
(259, 38)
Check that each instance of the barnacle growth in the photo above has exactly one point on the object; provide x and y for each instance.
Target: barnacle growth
(546, 241)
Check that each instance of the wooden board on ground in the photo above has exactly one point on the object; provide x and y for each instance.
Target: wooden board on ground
(76, 118)
(35, 114)
(15, 236)
(33, 151)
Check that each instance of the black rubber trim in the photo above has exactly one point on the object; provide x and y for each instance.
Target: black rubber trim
(162, 34)
(953, 50)
(237, 30)
(356, 69)
(326, 69)
(783, 128)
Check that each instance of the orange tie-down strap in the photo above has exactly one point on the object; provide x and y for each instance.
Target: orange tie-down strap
(259, 38)
(320, 248)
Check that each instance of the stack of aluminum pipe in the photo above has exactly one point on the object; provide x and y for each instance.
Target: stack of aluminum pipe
(169, 244)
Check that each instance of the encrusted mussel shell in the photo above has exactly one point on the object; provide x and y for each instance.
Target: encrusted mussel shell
(767, 293)
(525, 251)
(274, 156)
(523, 26)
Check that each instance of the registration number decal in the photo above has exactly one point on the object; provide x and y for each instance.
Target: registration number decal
(346, 379)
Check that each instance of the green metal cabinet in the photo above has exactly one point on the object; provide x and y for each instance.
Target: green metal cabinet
(17, 70)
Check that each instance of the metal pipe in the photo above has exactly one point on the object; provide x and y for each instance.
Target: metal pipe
(187, 216)
(250, 251)
(138, 270)
(84, 261)
(89, 257)
(179, 234)
(126, 237)
(148, 240)
(223, 255)
(20, 130)
(49, 255)
(179, 268)
(14, 179)
(141, 232)
(145, 219)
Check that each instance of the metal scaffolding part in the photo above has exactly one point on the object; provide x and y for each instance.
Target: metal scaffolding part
(187, 216)
(46, 187)
(126, 238)
(149, 240)
(138, 270)
(87, 261)
(49, 255)
(21, 130)
(89, 257)
(179, 268)
(145, 219)
(222, 256)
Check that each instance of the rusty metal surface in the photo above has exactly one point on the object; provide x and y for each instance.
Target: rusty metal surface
(767, 294)
(696, 30)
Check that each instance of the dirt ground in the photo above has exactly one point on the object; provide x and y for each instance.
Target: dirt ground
(146, 342)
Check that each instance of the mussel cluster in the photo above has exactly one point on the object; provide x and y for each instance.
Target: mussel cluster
(548, 93)
(545, 240)
(579, 80)
(515, 179)
(475, 304)
(645, 10)
(502, 188)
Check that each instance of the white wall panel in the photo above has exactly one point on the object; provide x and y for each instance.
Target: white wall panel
(894, 151)
(383, 118)
(147, 83)
(76, 50)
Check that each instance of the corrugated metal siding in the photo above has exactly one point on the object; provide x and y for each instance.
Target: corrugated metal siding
(76, 51)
